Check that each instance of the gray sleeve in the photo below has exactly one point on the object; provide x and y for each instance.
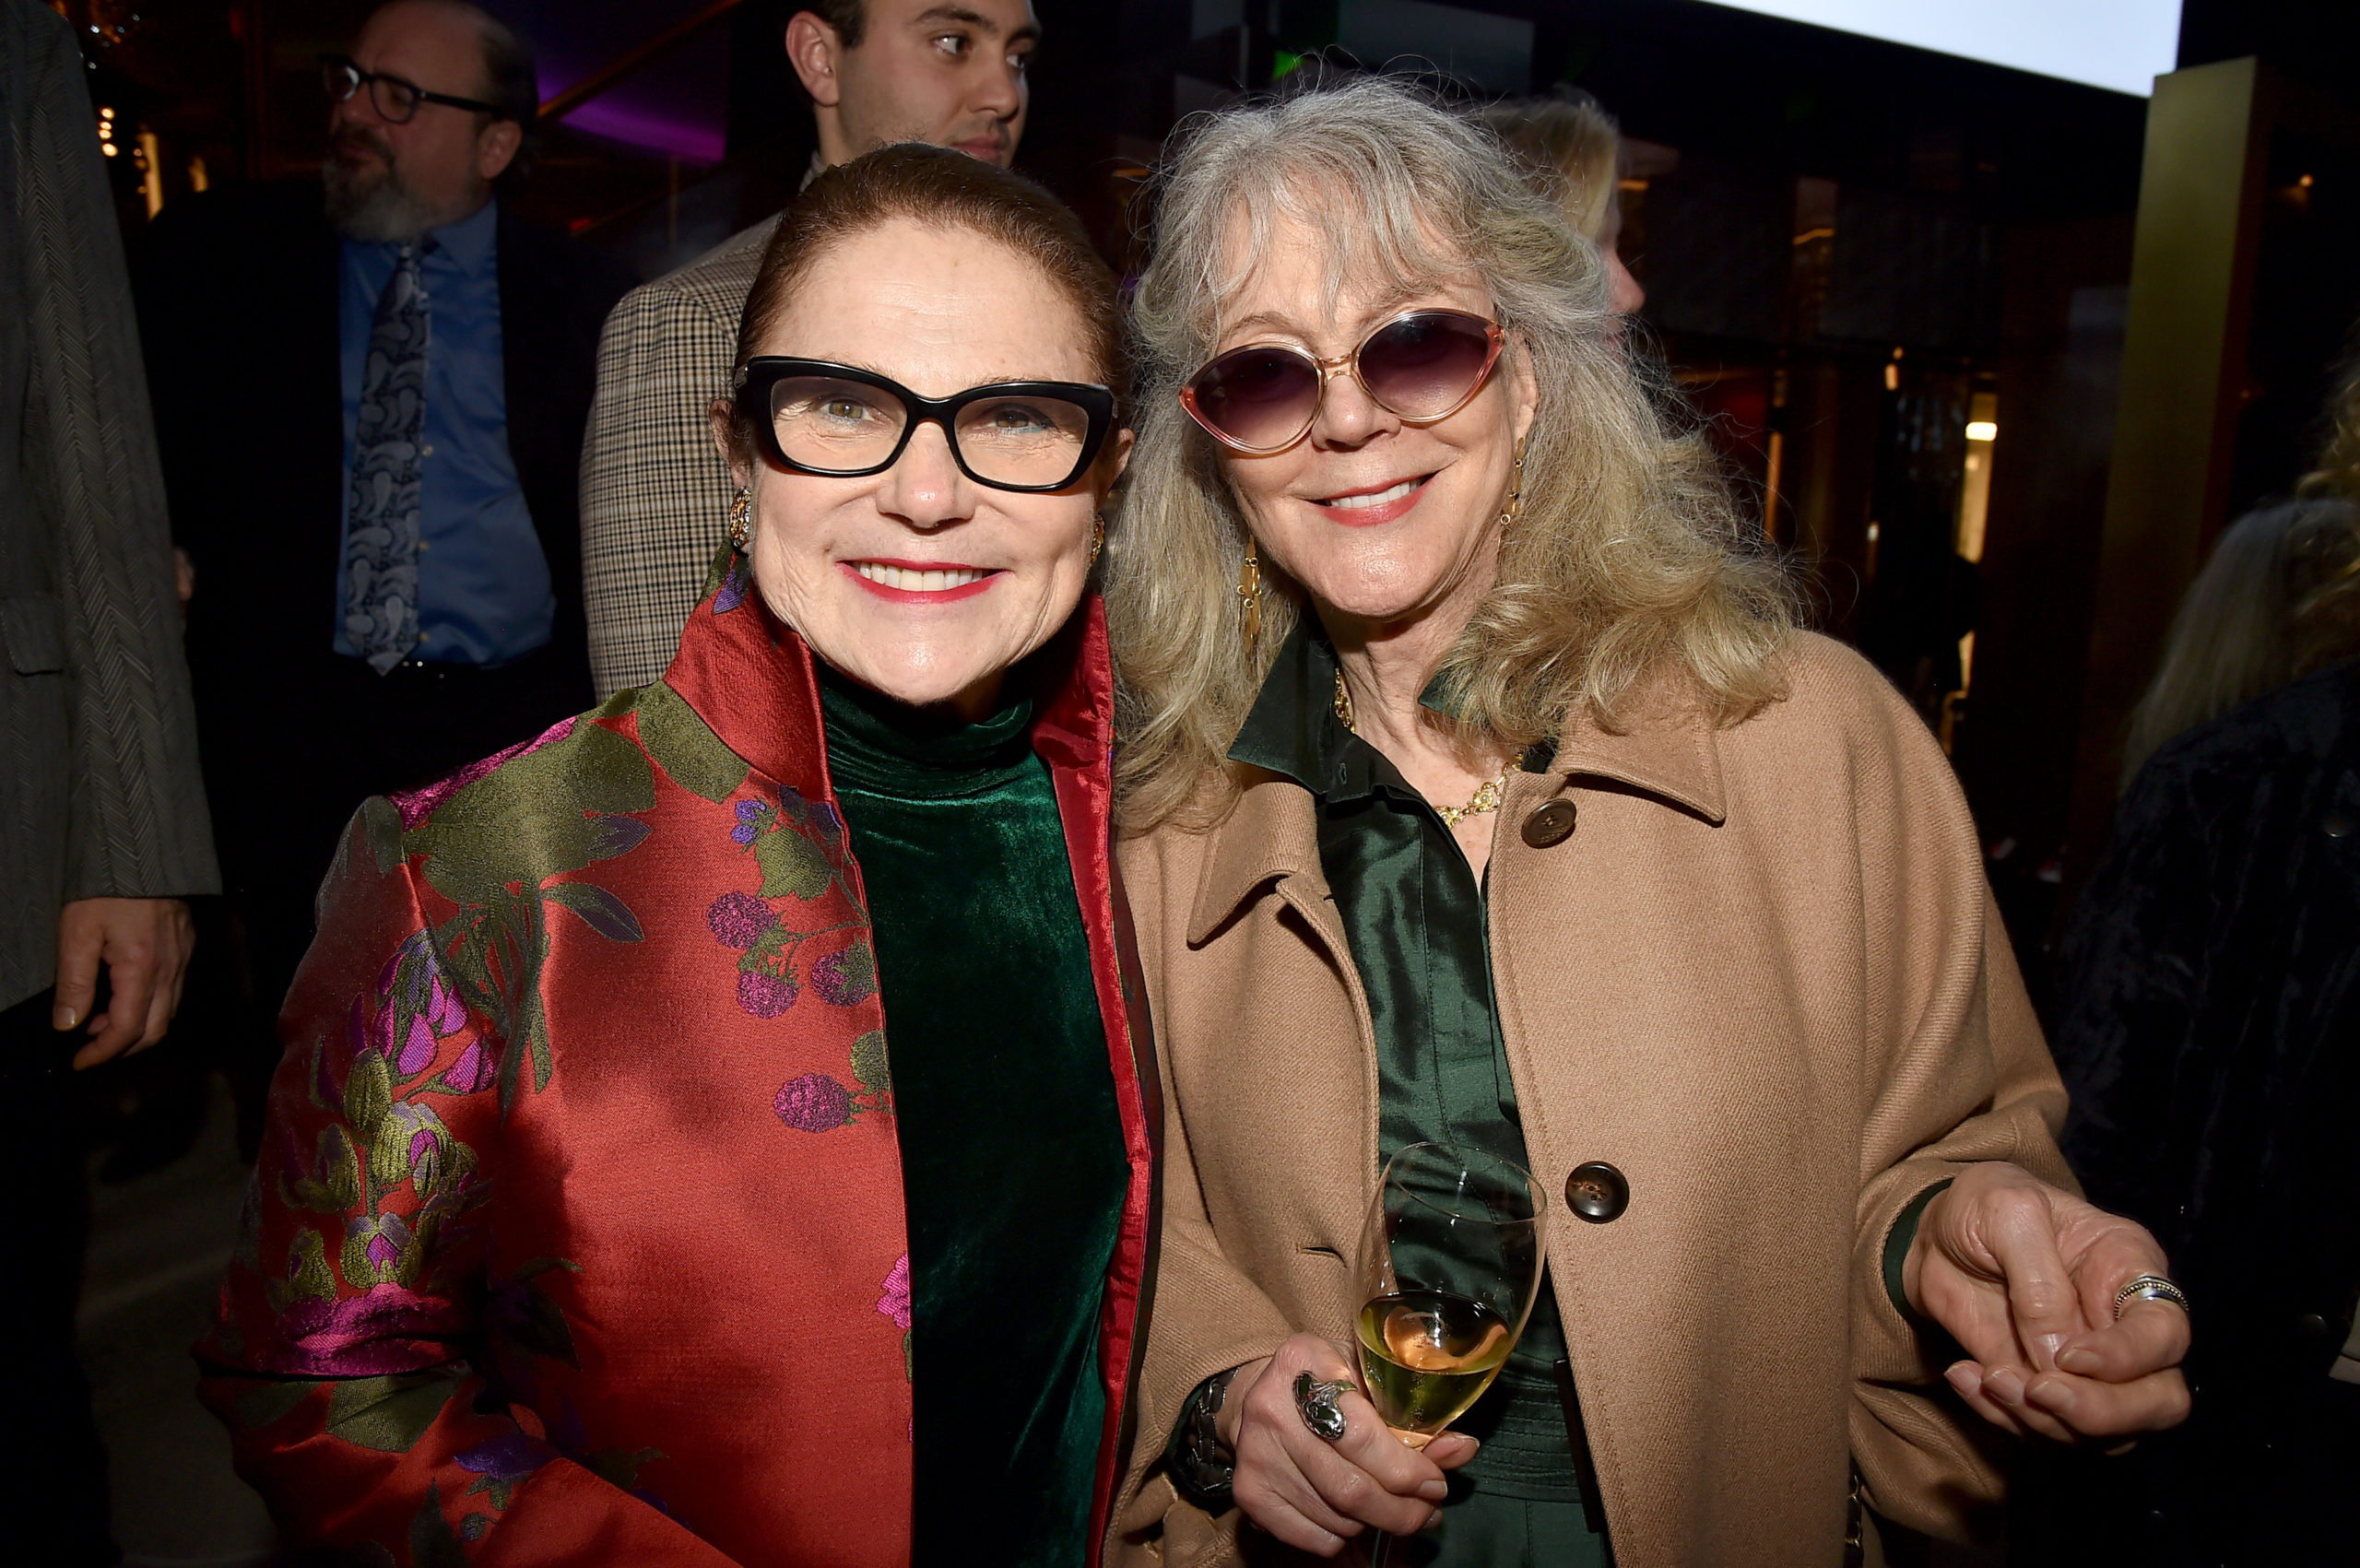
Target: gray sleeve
(654, 493)
(135, 822)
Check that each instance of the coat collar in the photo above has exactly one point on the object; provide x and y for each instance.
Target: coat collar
(749, 677)
(1668, 753)
(1269, 834)
(1671, 750)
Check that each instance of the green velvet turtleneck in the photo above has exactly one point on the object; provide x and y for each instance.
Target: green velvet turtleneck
(1012, 1158)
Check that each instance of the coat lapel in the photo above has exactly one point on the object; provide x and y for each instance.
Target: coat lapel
(750, 679)
(1269, 842)
(1268, 836)
(1671, 751)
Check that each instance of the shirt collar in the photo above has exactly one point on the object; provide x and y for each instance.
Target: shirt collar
(1294, 731)
(469, 242)
(1288, 733)
(1669, 751)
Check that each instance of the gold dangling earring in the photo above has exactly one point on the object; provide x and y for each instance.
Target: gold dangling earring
(1249, 594)
(1097, 535)
(741, 520)
(1509, 513)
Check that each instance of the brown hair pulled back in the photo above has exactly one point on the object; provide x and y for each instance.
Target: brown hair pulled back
(942, 188)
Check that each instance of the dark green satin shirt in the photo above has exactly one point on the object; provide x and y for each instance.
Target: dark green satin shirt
(1012, 1157)
(1414, 914)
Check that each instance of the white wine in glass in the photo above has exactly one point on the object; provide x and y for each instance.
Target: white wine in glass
(1427, 1356)
(1450, 1267)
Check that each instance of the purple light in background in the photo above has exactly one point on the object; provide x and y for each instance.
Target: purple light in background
(685, 140)
(647, 111)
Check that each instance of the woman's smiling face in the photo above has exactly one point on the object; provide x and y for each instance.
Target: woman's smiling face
(918, 581)
(1381, 521)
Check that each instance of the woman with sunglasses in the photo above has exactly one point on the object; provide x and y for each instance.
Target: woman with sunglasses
(1479, 789)
(709, 1132)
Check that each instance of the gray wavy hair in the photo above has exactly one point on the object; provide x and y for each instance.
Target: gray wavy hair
(1630, 554)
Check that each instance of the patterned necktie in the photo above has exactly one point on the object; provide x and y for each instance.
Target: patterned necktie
(381, 528)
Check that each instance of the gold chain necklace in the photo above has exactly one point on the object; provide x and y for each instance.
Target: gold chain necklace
(1487, 797)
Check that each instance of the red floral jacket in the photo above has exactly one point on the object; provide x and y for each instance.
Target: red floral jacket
(577, 1234)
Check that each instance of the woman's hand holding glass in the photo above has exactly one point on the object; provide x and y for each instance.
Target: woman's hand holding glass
(1313, 1495)
(1450, 1262)
(2023, 1275)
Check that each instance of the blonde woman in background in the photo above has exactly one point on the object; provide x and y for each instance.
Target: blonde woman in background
(1572, 151)
(1480, 789)
(2209, 1006)
(2279, 598)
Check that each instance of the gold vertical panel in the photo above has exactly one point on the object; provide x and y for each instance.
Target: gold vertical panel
(2183, 367)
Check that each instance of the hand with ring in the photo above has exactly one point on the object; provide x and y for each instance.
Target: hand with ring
(1315, 1492)
(2071, 1327)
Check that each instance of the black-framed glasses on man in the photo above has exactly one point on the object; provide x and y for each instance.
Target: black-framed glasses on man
(839, 422)
(393, 99)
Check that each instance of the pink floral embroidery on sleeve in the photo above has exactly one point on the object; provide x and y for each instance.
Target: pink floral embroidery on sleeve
(895, 1303)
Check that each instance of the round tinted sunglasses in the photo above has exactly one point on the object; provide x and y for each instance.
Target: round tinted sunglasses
(839, 422)
(1422, 366)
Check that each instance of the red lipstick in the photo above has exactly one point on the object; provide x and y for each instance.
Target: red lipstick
(1383, 512)
(898, 595)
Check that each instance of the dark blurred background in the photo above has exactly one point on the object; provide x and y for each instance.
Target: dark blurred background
(1900, 284)
(1996, 354)
(1998, 400)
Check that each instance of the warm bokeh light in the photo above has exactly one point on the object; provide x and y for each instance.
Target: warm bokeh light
(1982, 430)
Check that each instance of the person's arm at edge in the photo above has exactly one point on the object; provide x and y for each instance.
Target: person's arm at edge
(138, 838)
(1956, 1073)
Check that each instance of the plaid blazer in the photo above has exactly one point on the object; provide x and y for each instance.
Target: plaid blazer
(99, 794)
(654, 493)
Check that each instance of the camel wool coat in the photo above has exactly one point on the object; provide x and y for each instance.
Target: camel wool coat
(1762, 977)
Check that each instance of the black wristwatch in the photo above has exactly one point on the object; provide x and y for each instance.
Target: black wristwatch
(1201, 1468)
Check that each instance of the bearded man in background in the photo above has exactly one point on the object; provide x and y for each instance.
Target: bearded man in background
(370, 397)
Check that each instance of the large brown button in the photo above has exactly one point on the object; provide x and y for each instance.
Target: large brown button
(1596, 1192)
(1552, 822)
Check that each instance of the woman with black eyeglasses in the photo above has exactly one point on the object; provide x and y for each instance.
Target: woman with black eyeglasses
(711, 1131)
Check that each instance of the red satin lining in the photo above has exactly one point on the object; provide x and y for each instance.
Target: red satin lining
(1075, 734)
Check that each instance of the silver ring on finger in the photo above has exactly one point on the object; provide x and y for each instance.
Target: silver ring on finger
(2150, 1288)
(1318, 1405)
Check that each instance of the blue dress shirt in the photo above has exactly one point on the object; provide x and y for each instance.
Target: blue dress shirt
(483, 584)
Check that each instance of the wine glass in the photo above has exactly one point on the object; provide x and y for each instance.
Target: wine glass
(1449, 1267)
